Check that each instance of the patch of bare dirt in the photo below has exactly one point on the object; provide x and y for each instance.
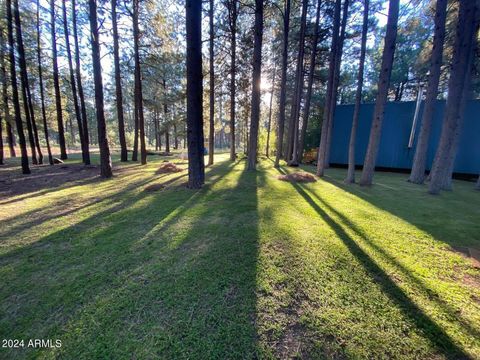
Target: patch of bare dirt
(169, 167)
(472, 281)
(154, 187)
(469, 253)
(298, 177)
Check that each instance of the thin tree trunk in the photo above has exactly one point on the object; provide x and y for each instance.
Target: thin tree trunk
(196, 166)
(33, 140)
(42, 95)
(298, 93)
(135, 130)
(308, 96)
(6, 110)
(211, 133)
(56, 84)
(155, 123)
(105, 160)
(73, 85)
(417, 174)
(15, 99)
(81, 96)
(458, 92)
(336, 81)
(358, 98)
(118, 85)
(329, 94)
(256, 94)
(232, 15)
(175, 137)
(269, 125)
(283, 84)
(381, 100)
(138, 83)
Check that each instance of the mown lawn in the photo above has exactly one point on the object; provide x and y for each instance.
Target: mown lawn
(247, 267)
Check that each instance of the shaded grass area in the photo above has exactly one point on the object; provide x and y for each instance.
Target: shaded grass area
(247, 267)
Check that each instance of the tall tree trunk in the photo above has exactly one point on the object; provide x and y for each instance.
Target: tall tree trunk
(175, 137)
(269, 125)
(138, 83)
(256, 94)
(155, 123)
(118, 85)
(358, 97)
(165, 116)
(417, 174)
(283, 84)
(73, 85)
(6, 110)
(232, 16)
(81, 96)
(381, 100)
(27, 108)
(135, 130)
(329, 94)
(211, 133)
(105, 160)
(196, 166)
(298, 93)
(15, 99)
(311, 73)
(458, 90)
(1, 141)
(42, 95)
(336, 81)
(56, 84)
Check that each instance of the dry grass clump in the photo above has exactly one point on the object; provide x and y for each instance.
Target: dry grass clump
(168, 167)
(298, 177)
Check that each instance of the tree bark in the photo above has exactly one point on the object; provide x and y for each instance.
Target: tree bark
(42, 95)
(211, 133)
(138, 84)
(256, 75)
(232, 16)
(27, 103)
(417, 174)
(329, 94)
(118, 85)
(381, 99)
(358, 97)
(292, 148)
(6, 110)
(56, 85)
(81, 96)
(269, 125)
(283, 85)
(336, 81)
(175, 137)
(311, 73)
(73, 85)
(15, 99)
(105, 160)
(458, 90)
(196, 166)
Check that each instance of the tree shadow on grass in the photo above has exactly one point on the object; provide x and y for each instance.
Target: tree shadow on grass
(169, 274)
(450, 217)
(430, 330)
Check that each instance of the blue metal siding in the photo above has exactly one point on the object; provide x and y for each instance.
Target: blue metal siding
(394, 151)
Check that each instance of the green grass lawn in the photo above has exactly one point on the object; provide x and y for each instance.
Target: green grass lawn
(247, 267)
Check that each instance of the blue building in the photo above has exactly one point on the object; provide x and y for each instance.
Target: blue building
(394, 152)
